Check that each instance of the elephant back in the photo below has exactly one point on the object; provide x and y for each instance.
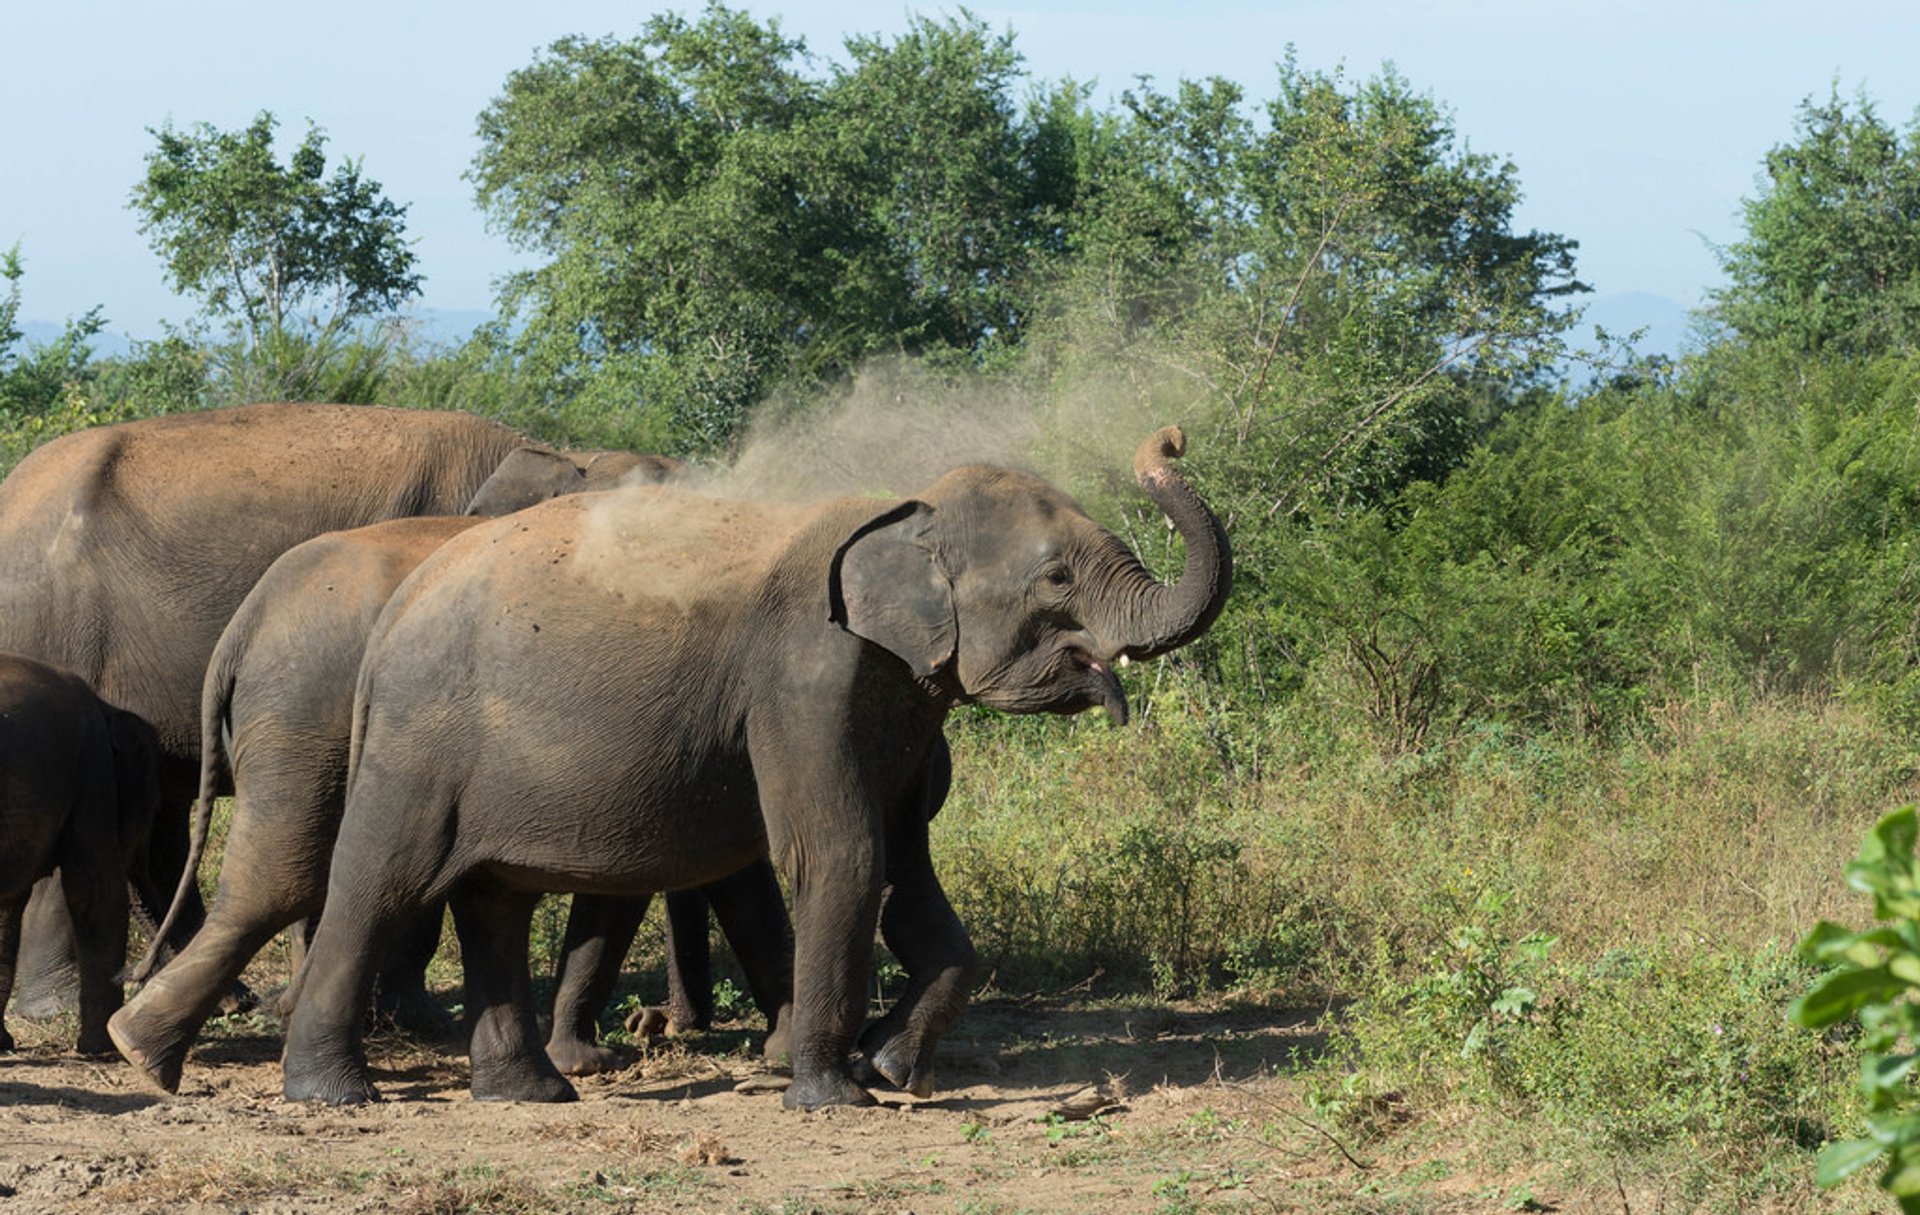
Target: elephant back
(124, 549)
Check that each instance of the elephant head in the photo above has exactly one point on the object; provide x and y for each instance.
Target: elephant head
(997, 589)
(533, 474)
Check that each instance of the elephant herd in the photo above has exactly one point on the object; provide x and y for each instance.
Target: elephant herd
(439, 665)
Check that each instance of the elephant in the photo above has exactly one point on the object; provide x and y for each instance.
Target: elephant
(685, 683)
(79, 785)
(534, 474)
(125, 548)
(279, 691)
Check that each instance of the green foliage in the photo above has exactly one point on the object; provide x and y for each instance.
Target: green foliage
(719, 222)
(257, 241)
(1831, 258)
(1358, 280)
(1872, 978)
(1640, 1049)
(33, 380)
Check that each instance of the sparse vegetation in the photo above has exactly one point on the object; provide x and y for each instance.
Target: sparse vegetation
(1544, 715)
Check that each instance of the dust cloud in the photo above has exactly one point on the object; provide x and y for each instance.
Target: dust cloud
(897, 425)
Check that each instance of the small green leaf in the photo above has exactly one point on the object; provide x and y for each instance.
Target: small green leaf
(1841, 994)
(1842, 1159)
(1905, 967)
(1514, 1001)
(1886, 1071)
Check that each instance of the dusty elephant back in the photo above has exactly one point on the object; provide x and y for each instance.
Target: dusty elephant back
(124, 549)
(291, 649)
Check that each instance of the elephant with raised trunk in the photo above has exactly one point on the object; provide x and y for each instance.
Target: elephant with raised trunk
(686, 683)
(78, 789)
(124, 550)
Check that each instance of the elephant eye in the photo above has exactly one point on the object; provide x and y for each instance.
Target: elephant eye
(1058, 576)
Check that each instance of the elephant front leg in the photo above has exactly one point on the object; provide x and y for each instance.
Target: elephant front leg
(508, 1060)
(600, 930)
(46, 978)
(920, 927)
(400, 989)
(836, 895)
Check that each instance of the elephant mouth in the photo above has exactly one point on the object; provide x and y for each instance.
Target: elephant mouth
(1070, 681)
(1100, 686)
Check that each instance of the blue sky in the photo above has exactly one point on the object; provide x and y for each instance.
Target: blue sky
(1636, 126)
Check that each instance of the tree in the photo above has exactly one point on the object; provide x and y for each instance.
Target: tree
(258, 241)
(718, 220)
(33, 377)
(1831, 259)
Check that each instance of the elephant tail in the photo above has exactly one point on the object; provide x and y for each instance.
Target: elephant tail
(216, 698)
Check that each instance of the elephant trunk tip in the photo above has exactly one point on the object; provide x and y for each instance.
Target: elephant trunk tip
(1150, 460)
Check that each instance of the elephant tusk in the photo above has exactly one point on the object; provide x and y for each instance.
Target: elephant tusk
(1123, 661)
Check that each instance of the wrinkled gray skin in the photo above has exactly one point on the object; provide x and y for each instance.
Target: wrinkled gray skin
(687, 684)
(79, 785)
(277, 703)
(124, 549)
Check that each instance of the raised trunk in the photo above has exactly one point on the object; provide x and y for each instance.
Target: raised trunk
(1166, 617)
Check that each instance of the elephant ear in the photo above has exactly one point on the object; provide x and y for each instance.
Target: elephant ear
(887, 584)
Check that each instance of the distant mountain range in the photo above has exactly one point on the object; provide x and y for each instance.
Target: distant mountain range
(1620, 313)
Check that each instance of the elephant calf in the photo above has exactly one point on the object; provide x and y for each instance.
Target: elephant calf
(79, 786)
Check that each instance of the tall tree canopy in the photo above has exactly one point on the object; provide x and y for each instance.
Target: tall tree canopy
(1831, 258)
(718, 217)
(256, 240)
(717, 220)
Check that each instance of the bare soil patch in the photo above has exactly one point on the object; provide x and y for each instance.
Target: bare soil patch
(1202, 1115)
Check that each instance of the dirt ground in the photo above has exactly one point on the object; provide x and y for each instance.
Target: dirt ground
(1204, 1115)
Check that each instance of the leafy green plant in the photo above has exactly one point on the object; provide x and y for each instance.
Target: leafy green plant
(1873, 977)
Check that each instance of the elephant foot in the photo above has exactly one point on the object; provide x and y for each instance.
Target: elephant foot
(573, 1057)
(42, 1003)
(158, 1058)
(646, 1024)
(684, 1018)
(415, 1012)
(817, 1089)
(92, 1041)
(901, 1064)
(522, 1083)
(239, 999)
(346, 1086)
(779, 1044)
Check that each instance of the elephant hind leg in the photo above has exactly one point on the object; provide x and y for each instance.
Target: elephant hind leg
(920, 927)
(504, 1049)
(689, 963)
(753, 917)
(400, 991)
(600, 930)
(12, 911)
